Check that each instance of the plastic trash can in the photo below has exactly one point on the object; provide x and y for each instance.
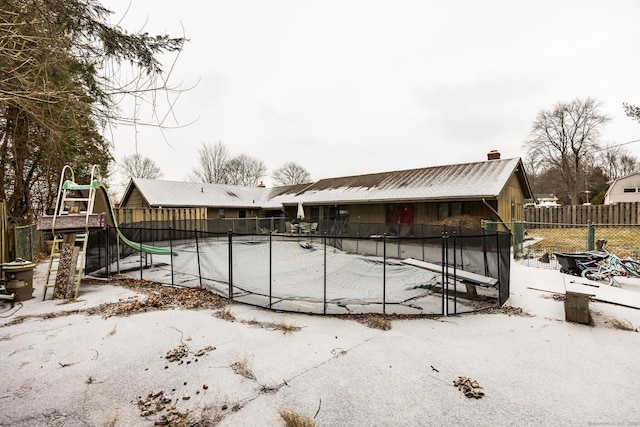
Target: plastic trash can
(18, 277)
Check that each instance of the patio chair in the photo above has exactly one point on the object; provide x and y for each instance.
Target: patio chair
(314, 228)
(304, 228)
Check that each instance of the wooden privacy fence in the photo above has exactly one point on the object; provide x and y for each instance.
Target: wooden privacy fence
(161, 220)
(618, 214)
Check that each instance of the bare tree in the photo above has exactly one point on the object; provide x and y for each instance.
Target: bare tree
(215, 166)
(136, 166)
(290, 173)
(212, 163)
(617, 161)
(566, 138)
(245, 170)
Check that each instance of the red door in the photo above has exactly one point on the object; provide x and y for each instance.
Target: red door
(407, 219)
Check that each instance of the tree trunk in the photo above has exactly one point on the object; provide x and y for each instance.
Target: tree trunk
(19, 205)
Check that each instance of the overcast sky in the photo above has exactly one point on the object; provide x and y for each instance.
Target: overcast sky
(354, 87)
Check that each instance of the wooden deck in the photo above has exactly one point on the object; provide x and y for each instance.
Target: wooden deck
(72, 222)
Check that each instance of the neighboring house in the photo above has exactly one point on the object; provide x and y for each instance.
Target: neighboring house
(547, 200)
(624, 189)
(493, 190)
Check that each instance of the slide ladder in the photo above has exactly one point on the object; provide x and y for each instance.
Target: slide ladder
(72, 199)
(75, 214)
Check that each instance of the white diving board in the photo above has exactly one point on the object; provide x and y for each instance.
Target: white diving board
(467, 276)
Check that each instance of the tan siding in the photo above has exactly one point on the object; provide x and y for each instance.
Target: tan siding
(421, 213)
(426, 213)
(511, 195)
(375, 213)
(229, 213)
(135, 200)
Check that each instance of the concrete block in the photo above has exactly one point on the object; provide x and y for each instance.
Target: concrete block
(576, 308)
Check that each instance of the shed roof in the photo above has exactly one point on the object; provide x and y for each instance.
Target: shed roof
(176, 193)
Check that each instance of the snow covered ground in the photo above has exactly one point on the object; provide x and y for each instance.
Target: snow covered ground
(534, 368)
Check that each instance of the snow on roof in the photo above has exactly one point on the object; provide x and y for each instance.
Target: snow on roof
(467, 180)
(279, 195)
(458, 181)
(177, 193)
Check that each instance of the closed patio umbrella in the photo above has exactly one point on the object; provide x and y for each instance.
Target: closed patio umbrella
(300, 211)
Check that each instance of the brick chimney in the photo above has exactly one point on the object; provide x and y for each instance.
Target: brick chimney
(493, 155)
(261, 185)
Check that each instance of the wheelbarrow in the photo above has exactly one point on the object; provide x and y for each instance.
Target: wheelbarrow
(574, 262)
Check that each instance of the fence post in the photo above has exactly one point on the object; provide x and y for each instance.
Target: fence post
(106, 252)
(270, 263)
(455, 276)
(198, 255)
(498, 255)
(518, 238)
(31, 228)
(384, 273)
(230, 234)
(117, 251)
(445, 273)
(140, 249)
(171, 254)
(591, 236)
(324, 299)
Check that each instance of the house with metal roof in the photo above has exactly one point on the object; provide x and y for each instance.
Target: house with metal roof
(221, 201)
(492, 190)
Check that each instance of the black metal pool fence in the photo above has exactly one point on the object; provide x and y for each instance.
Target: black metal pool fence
(446, 271)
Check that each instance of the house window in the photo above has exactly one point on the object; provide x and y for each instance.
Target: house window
(343, 213)
(443, 210)
(456, 209)
(629, 190)
(242, 213)
(221, 213)
(315, 213)
(339, 213)
(393, 213)
(447, 209)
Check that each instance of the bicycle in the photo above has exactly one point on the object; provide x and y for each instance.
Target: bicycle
(602, 271)
(631, 266)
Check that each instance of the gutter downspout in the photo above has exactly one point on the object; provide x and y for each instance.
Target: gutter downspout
(495, 212)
